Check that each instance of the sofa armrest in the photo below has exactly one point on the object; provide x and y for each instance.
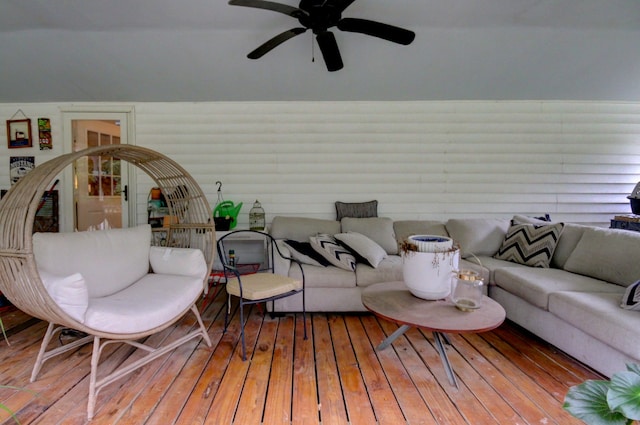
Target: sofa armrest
(281, 264)
(178, 261)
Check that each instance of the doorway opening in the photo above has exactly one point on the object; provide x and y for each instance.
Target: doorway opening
(97, 191)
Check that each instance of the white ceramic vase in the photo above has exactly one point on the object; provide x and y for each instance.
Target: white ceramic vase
(428, 271)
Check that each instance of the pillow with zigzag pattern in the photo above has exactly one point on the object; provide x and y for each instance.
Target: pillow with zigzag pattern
(530, 244)
(336, 254)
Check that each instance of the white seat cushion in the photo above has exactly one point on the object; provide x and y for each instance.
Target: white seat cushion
(263, 285)
(152, 301)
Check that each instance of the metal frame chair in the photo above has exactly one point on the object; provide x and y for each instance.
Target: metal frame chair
(259, 287)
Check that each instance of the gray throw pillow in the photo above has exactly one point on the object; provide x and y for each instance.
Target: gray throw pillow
(356, 209)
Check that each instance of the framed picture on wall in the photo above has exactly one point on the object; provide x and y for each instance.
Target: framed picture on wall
(19, 133)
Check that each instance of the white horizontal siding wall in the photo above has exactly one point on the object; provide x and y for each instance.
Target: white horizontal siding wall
(421, 160)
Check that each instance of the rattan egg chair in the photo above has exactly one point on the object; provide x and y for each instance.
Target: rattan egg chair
(21, 283)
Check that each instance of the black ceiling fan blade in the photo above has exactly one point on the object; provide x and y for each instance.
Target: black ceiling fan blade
(275, 42)
(377, 29)
(330, 52)
(270, 5)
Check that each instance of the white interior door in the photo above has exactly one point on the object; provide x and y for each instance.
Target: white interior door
(100, 189)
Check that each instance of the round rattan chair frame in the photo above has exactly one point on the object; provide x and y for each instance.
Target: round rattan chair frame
(19, 278)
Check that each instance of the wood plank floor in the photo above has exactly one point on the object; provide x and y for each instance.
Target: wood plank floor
(334, 377)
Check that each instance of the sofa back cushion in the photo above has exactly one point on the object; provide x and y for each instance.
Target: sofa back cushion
(607, 254)
(569, 239)
(108, 260)
(301, 228)
(378, 229)
(405, 228)
(478, 236)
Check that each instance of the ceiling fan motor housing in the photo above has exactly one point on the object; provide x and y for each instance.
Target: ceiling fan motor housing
(321, 15)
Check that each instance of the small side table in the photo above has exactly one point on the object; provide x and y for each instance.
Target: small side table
(626, 222)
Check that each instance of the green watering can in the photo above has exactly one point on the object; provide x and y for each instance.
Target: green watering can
(226, 209)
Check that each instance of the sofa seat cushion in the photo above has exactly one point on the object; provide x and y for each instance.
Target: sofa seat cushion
(388, 270)
(535, 285)
(150, 302)
(324, 277)
(489, 266)
(599, 315)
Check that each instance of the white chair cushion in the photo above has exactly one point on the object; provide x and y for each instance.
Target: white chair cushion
(262, 285)
(154, 300)
(178, 261)
(69, 292)
(109, 260)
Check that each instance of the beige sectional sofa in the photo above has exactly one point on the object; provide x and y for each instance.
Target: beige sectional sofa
(573, 304)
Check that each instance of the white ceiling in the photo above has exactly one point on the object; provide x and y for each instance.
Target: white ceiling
(195, 50)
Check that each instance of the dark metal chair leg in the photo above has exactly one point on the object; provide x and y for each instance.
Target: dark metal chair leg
(244, 349)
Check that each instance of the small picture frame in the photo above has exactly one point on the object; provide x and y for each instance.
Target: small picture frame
(19, 133)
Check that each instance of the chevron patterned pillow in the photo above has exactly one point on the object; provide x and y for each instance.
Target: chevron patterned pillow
(336, 254)
(530, 244)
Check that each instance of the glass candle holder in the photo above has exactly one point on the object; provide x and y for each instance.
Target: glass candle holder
(467, 290)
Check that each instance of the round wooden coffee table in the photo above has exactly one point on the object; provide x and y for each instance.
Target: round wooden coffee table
(393, 301)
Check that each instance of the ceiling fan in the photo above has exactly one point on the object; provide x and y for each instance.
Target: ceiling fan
(319, 16)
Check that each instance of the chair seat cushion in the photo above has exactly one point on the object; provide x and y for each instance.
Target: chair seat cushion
(152, 301)
(263, 285)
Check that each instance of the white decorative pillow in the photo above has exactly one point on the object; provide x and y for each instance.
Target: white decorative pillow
(530, 244)
(304, 253)
(335, 253)
(364, 249)
(178, 261)
(631, 298)
(69, 292)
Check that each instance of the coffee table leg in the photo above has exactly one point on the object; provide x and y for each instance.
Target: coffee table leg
(438, 337)
(388, 340)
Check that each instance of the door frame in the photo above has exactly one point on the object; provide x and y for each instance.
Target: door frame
(124, 114)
